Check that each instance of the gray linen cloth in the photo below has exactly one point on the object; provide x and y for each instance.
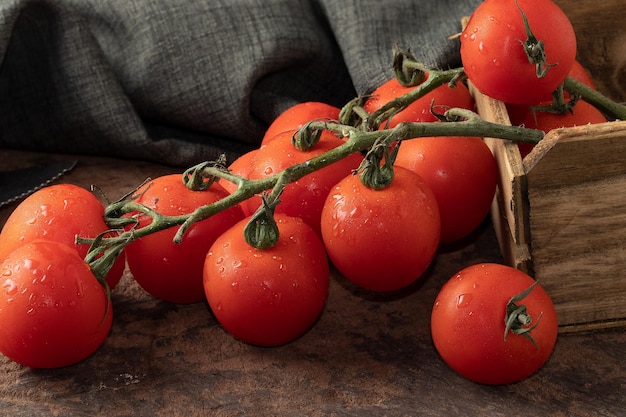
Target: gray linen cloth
(181, 81)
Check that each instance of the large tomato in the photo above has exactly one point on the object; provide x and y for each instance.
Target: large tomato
(170, 271)
(420, 109)
(299, 114)
(53, 310)
(272, 296)
(305, 197)
(494, 57)
(58, 212)
(461, 172)
(469, 331)
(381, 240)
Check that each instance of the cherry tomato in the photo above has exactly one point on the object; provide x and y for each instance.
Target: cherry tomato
(463, 175)
(494, 57)
(381, 240)
(468, 324)
(299, 114)
(53, 310)
(267, 297)
(419, 110)
(305, 197)
(58, 212)
(169, 271)
(583, 113)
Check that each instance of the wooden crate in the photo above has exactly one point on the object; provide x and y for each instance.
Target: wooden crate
(560, 214)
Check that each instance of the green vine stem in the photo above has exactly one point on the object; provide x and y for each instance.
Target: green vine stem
(122, 214)
(610, 108)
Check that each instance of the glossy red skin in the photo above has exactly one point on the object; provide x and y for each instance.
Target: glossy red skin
(420, 110)
(461, 172)
(299, 114)
(493, 56)
(467, 325)
(267, 297)
(53, 311)
(381, 240)
(305, 197)
(583, 113)
(59, 212)
(173, 272)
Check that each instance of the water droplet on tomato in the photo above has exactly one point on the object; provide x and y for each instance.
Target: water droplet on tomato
(268, 171)
(10, 287)
(234, 285)
(472, 37)
(482, 48)
(463, 300)
(219, 260)
(496, 62)
(31, 311)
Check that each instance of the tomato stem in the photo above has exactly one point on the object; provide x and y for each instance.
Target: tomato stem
(534, 49)
(262, 231)
(409, 72)
(611, 109)
(377, 166)
(360, 132)
(517, 320)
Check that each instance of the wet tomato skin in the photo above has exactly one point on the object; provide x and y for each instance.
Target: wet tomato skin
(381, 240)
(467, 325)
(267, 297)
(173, 271)
(53, 310)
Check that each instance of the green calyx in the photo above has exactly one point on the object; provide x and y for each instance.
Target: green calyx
(261, 231)
(534, 49)
(377, 166)
(517, 320)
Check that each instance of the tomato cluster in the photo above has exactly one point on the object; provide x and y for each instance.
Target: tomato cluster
(492, 324)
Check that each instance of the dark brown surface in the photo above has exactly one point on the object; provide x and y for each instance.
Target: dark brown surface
(367, 356)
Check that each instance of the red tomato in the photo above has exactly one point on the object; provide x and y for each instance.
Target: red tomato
(493, 54)
(240, 166)
(53, 310)
(461, 172)
(59, 212)
(267, 297)
(305, 197)
(169, 271)
(419, 110)
(468, 325)
(583, 113)
(381, 240)
(299, 114)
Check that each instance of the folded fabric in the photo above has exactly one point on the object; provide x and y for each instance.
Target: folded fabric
(181, 81)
